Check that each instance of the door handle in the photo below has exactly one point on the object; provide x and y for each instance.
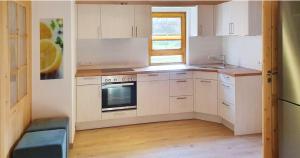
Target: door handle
(225, 104)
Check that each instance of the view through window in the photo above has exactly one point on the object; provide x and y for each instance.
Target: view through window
(168, 41)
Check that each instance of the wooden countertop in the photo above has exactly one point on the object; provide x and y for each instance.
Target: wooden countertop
(228, 70)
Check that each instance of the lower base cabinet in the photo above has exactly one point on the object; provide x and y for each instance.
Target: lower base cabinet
(181, 104)
(206, 96)
(88, 103)
(153, 98)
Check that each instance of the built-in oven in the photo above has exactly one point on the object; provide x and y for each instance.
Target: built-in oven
(118, 93)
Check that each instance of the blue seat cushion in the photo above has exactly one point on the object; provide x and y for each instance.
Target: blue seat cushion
(46, 144)
(50, 124)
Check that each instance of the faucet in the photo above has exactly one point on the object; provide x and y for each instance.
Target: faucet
(221, 58)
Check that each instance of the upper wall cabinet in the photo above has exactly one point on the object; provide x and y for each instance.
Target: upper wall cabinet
(117, 21)
(238, 18)
(88, 21)
(113, 21)
(206, 20)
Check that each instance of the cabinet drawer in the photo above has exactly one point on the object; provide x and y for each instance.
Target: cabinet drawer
(181, 87)
(206, 75)
(153, 77)
(181, 75)
(228, 112)
(226, 78)
(118, 114)
(227, 92)
(88, 80)
(181, 104)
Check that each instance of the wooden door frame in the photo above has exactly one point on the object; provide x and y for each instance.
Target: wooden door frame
(270, 105)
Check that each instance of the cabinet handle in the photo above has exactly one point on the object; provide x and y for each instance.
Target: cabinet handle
(201, 30)
(132, 34)
(181, 73)
(153, 75)
(225, 85)
(181, 81)
(205, 81)
(88, 78)
(136, 31)
(180, 98)
(225, 104)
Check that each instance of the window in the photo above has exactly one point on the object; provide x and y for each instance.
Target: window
(168, 42)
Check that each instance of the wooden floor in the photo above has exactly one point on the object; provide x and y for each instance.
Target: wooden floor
(176, 139)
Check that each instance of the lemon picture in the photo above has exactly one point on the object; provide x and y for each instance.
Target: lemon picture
(50, 56)
(45, 31)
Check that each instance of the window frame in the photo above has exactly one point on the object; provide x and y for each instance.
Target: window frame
(182, 50)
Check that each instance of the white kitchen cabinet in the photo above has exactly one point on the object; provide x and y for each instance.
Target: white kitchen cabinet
(181, 104)
(153, 97)
(206, 96)
(88, 21)
(240, 103)
(239, 18)
(117, 21)
(142, 21)
(182, 87)
(206, 20)
(88, 103)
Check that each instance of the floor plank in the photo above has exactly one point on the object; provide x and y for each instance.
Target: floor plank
(175, 139)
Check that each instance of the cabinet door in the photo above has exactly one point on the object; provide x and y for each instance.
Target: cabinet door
(182, 87)
(238, 17)
(88, 21)
(153, 98)
(206, 20)
(88, 103)
(117, 21)
(206, 96)
(142, 20)
(181, 104)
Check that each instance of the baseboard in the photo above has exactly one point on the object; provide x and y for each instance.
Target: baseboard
(133, 120)
(227, 124)
(208, 117)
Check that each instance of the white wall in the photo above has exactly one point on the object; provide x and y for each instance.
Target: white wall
(54, 98)
(245, 51)
(202, 47)
(110, 53)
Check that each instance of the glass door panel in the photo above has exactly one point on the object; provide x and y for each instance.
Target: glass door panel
(22, 20)
(22, 55)
(12, 18)
(13, 48)
(13, 89)
(22, 83)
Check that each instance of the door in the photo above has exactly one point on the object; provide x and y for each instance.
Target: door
(15, 72)
(143, 21)
(206, 20)
(153, 98)
(206, 96)
(117, 21)
(289, 77)
(88, 21)
(88, 103)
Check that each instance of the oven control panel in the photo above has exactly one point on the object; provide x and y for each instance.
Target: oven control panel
(118, 78)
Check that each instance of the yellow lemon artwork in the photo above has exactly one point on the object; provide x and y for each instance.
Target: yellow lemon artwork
(51, 49)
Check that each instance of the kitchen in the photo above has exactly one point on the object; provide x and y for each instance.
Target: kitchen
(169, 63)
(145, 79)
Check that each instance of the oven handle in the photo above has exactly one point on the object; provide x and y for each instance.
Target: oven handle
(117, 85)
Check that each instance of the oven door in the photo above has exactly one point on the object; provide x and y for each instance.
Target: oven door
(118, 96)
